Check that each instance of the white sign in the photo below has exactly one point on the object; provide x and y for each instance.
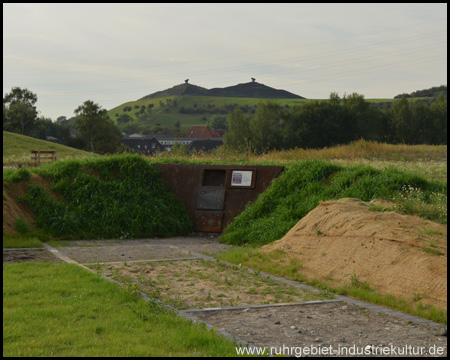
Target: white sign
(241, 178)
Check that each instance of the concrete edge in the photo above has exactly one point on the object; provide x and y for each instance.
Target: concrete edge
(262, 306)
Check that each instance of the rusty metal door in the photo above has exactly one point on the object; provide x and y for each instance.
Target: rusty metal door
(215, 194)
(211, 200)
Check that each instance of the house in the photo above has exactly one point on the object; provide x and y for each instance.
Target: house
(149, 144)
(73, 133)
(143, 144)
(54, 140)
(199, 131)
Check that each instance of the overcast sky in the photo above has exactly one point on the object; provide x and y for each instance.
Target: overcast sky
(114, 53)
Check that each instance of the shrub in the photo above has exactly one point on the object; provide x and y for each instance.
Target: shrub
(111, 197)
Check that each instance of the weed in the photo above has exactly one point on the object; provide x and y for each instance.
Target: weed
(22, 226)
(432, 251)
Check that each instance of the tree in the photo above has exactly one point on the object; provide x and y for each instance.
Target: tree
(218, 122)
(124, 119)
(239, 132)
(100, 135)
(178, 149)
(267, 126)
(439, 125)
(19, 113)
(364, 119)
(401, 118)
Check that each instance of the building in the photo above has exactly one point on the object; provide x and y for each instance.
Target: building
(143, 144)
(151, 144)
(199, 131)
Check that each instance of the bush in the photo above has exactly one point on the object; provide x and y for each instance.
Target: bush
(112, 197)
(14, 176)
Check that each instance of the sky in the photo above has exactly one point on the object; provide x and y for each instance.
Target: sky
(113, 53)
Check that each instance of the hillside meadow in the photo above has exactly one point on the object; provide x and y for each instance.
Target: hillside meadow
(207, 105)
(17, 149)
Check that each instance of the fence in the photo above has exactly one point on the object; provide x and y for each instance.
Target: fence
(37, 159)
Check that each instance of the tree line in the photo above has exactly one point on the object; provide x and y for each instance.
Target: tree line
(95, 132)
(336, 121)
(314, 124)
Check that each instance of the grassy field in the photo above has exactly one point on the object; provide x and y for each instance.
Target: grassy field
(429, 161)
(45, 316)
(17, 148)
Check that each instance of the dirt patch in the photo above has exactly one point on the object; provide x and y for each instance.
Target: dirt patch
(337, 324)
(14, 209)
(198, 284)
(395, 254)
(10, 256)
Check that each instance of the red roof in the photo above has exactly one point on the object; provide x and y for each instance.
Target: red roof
(199, 131)
(218, 132)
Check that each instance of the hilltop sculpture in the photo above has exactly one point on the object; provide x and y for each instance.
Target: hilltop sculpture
(186, 81)
(253, 79)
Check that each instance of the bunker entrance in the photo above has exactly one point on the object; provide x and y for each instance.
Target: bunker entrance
(215, 194)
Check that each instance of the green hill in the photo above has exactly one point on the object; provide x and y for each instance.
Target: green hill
(185, 105)
(435, 91)
(17, 148)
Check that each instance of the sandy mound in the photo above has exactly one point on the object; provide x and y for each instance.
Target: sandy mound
(339, 239)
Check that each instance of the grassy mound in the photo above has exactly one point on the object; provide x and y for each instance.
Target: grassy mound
(112, 197)
(301, 188)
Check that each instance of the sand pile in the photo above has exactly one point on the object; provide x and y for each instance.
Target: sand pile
(395, 254)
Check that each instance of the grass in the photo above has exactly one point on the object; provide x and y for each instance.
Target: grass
(17, 148)
(276, 263)
(43, 316)
(21, 241)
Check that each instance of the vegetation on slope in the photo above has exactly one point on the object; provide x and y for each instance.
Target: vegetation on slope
(301, 187)
(111, 197)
